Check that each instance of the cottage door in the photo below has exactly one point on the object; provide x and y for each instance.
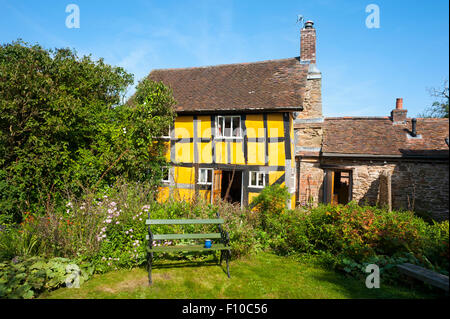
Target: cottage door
(216, 186)
(329, 187)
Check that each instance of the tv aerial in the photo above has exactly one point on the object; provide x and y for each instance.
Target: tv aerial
(300, 19)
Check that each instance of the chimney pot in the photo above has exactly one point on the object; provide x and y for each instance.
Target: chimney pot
(399, 104)
(309, 24)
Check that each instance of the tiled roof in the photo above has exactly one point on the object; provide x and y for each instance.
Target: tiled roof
(379, 136)
(267, 85)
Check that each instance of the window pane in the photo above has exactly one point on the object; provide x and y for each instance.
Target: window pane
(236, 127)
(165, 174)
(253, 179)
(210, 176)
(166, 132)
(227, 126)
(261, 177)
(219, 125)
(202, 176)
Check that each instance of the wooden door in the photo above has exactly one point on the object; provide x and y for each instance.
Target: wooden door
(329, 187)
(216, 186)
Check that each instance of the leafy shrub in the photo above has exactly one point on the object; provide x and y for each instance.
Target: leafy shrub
(26, 278)
(350, 237)
(242, 225)
(19, 241)
(270, 202)
(63, 124)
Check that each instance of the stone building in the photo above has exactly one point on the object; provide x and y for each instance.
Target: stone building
(393, 161)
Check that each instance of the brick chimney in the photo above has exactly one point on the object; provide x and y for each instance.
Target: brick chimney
(308, 43)
(398, 116)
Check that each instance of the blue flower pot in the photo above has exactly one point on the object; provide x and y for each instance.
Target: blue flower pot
(207, 243)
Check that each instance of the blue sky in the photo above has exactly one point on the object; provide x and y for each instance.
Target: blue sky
(364, 70)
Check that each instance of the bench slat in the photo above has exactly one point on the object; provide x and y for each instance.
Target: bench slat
(426, 275)
(169, 249)
(183, 221)
(184, 236)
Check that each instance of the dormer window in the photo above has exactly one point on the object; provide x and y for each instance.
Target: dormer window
(228, 127)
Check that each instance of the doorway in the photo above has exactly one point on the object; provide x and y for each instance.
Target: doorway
(338, 187)
(227, 185)
(232, 186)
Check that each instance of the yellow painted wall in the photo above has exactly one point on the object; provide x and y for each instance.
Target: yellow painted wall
(184, 152)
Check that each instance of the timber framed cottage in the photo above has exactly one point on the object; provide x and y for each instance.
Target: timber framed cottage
(234, 131)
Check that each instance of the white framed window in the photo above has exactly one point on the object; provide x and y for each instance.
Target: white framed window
(205, 176)
(228, 126)
(166, 174)
(257, 179)
(166, 135)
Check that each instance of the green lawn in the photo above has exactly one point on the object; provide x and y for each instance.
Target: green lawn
(262, 276)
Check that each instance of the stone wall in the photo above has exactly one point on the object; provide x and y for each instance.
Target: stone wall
(312, 103)
(311, 182)
(419, 186)
(308, 136)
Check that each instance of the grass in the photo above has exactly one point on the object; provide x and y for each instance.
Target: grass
(260, 276)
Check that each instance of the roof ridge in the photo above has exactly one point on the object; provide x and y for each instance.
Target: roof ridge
(225, 64)
(382, 118)
(358, 118)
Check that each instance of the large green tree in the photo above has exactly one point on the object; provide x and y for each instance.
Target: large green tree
(63, 126)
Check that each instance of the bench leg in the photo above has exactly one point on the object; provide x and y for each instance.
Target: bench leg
(149, 265)
(228, 262)
(221, 257)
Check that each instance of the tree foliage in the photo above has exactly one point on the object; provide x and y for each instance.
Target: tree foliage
(62, 126)
(439, 108)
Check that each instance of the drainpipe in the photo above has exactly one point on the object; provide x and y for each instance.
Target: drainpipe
(299, 160)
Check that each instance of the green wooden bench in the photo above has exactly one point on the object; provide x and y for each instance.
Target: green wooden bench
(221, 236)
